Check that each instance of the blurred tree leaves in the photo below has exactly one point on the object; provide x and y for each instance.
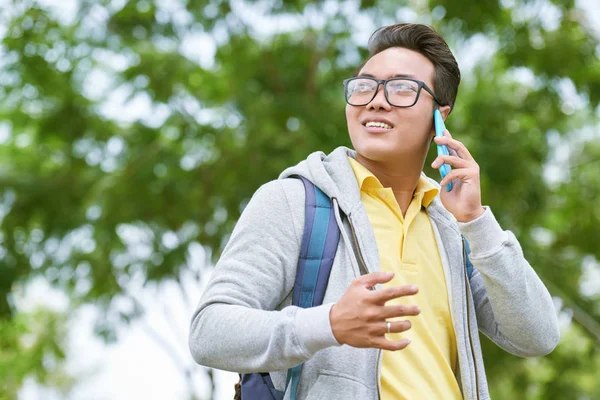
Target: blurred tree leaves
(31, 347)
(130, 133)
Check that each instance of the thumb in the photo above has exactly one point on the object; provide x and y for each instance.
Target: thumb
(370, 280)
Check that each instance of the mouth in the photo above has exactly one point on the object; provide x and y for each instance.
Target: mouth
(377, 126)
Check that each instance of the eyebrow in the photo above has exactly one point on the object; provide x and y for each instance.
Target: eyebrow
(395, 76)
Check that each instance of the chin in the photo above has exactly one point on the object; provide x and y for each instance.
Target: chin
(375, 149)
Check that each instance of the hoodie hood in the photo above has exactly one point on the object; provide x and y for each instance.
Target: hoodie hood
(333, 174)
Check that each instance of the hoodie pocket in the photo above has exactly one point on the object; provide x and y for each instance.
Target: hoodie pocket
(332, 385)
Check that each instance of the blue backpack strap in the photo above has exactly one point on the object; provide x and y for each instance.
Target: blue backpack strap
(468, 263)
(319, 245)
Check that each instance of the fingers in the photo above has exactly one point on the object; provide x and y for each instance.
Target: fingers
(452, 151)
(455, 145)
(359, 318)
(397, 326)
(384, 295)
(370, 280)
(453, 161)
(400, 310)
(384, 344)
(463, 174)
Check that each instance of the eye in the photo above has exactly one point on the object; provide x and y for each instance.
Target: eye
(401, 87)
(363, 87)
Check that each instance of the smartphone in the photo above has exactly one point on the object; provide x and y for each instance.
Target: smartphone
(442, 150)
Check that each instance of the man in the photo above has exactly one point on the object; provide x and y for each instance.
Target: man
(416, 335)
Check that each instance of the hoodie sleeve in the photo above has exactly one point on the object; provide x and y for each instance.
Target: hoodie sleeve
(236, 326)
(514, 308)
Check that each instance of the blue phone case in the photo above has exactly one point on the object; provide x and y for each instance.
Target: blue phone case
(442, 149)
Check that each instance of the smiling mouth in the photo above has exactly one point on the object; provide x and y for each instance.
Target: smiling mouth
(378, 125)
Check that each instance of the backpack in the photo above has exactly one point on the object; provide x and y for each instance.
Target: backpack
(319, 245)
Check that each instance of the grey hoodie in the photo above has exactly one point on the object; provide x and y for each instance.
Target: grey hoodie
(245, 321)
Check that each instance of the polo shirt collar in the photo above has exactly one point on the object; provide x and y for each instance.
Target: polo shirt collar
(425, 190)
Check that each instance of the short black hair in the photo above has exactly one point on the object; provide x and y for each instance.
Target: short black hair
(428, 42)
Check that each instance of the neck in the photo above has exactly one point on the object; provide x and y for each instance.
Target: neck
(401, 175)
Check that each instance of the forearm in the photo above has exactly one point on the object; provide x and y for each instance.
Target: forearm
(242, 339)
(513, 306)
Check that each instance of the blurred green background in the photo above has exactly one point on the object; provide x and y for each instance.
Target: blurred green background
(132, 134)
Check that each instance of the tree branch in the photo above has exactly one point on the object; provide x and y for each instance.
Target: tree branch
(583, 318)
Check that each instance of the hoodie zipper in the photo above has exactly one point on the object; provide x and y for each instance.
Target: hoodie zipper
(366, 271)
(362, 263)
(468, 292)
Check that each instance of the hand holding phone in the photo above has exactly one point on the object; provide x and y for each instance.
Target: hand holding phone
(442, 150)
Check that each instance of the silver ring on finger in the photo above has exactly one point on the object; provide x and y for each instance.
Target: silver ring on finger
(389, 327)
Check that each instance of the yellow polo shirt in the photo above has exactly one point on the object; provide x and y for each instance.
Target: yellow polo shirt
(407, 246)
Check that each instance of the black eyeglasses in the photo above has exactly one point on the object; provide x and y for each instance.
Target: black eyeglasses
(399, 92)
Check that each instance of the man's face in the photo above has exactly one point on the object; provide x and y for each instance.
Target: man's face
(411, 128)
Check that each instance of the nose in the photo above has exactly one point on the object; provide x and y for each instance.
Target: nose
(379, 102)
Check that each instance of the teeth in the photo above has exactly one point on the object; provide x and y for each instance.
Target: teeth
(378, 125)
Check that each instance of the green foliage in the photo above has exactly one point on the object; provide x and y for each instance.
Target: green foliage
(31, 346)
(91, 199)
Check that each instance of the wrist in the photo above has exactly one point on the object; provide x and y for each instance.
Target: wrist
(333, 323)
(472, 215)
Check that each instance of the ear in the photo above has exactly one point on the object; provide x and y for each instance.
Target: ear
(445, 111)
